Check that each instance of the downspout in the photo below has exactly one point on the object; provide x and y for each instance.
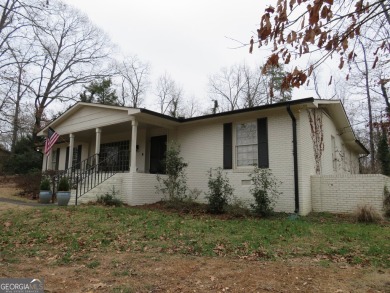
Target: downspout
(295, 155)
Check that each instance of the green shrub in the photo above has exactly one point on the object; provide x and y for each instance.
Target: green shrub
(238, 209)
(220, 191)
(45, 184)
(367, 214)
(109, 199)
(264, 190)
(174, 185)
(64, 185)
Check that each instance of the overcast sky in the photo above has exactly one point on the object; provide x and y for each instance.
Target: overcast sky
(187, 39)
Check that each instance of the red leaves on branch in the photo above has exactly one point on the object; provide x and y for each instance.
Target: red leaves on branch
(341, 65)
(345, 44)
(292, 3)
(359, 7)
(295, 79)
(251, 42)
(351, 56)
(321, 30)
(273, 60)
(322, 39)
(270, 9)
(265, 27)
(282, 11)
(314, 12)
(287, 61)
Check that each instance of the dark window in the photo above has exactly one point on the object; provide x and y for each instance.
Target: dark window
(55, 159)
(67, 158)
(158, 148)
(76, 159)
(115, 156)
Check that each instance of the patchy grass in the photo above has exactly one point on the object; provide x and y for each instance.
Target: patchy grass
(74, 233)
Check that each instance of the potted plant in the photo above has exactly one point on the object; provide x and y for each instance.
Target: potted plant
(45, 192)
(63, 193)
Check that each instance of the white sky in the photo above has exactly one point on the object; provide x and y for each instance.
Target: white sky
(185, 38)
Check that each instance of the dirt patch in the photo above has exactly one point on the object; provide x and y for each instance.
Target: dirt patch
(143, 272)
(9, 189)
(4, 206)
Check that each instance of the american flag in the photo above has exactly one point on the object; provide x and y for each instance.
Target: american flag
(51, 139)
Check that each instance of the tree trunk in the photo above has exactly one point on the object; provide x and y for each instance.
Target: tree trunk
(371, 128)
(38, 119)
(15, 121)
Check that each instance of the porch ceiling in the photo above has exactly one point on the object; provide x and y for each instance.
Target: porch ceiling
(89, 134)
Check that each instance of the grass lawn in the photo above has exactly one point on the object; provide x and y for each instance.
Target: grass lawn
(73, 234)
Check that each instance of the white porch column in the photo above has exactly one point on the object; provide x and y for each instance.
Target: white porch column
(133, 160)
(71, 146)
(49, 160)
(97, 145)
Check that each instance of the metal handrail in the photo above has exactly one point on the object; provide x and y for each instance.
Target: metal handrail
(88, 174)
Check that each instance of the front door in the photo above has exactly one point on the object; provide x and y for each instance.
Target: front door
(158, 148)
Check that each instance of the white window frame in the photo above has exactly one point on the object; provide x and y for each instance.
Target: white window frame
(247, 144)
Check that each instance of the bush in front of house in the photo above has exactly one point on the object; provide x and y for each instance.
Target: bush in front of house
(110, 199)
(174, 185)
(220, 191)
(264, 191)
(367, 214)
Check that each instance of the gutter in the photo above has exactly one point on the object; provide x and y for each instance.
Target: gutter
(295, 155)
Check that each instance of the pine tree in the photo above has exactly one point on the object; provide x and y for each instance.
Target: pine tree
(100, 92)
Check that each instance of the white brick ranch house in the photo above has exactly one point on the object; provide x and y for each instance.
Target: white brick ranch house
(298, 140)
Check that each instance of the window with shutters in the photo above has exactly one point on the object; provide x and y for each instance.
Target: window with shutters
(246, 144)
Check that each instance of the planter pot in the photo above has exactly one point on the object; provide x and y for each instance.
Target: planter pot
(44, 196)
(63, 198)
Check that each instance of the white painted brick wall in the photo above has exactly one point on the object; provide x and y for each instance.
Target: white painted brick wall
(202, 148)
(344, 193)
(114, 182)
(306, 162)
(139, 189)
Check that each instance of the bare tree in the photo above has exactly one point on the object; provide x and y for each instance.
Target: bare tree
(22, 60)
(192, 108)
(71, 51)
(324, 90)
(169, 95)
(135, 80)
(227, 87)
(243, 87)
(253, 87)
(15, 15)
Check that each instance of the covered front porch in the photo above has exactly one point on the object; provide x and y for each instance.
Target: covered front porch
(99, 143)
